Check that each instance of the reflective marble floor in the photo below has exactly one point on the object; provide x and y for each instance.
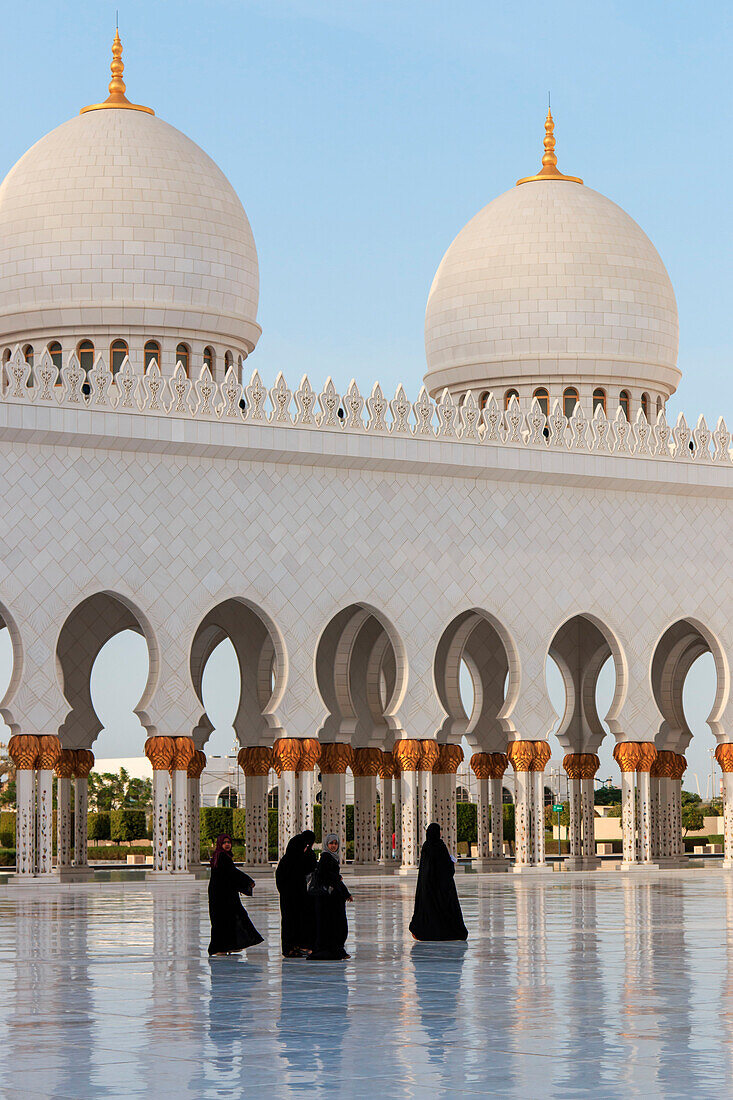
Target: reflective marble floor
(607, 986)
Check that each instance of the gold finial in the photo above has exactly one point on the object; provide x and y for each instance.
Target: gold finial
(549, 160)
(117, 97)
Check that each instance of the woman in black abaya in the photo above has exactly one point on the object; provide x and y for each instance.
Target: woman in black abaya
(231, 928)
(330, 896)
(296, 907)
(437, 914)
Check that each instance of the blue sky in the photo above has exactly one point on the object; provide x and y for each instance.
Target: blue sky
(361, 135)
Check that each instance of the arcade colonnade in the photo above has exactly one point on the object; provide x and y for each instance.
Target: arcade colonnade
(415, 782)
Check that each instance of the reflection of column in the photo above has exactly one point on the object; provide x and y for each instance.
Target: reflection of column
(336, 757)
(184, 752)
(365, 768)
(539, 760)
(195, 770)
(386, 771)
(489, 767)
(521, 755)
(449, 759)
(310, 754)
(159, 751)
(724, 756)
(581, 767)
(83, 766)
(23, 750)
(285, 758)
(255, 761)
(407, 755)
(49, 752)
(426, 787)
(64, 770)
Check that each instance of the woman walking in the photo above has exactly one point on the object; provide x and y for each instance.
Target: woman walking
(437, 914)
(296, 906)
(231, 928)
(330, 895)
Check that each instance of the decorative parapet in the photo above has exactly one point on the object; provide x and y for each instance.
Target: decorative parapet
(178, 396)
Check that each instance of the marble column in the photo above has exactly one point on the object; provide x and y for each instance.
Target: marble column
(48, 754)
(65, 766)
(397, 794)
(310, 754)
(675, 798)
(663, 769)
(489, 768)
(580, 768)
(365, 768)
(83, 766)
(521, 754)
(407, 754)
(184, 752)
(159, 751)
(285, 759)
(194, 773)
(724, 756)
(426, 787)
(336, 757)
(537, 768)
(386, 772)
(23, 750)
(256, 761)
(635, 759)
(444, 772)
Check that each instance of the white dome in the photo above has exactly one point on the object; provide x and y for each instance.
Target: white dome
(551, 282)
(117, 219)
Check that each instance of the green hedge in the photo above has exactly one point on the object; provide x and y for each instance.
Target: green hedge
(7, 829)
(215, 820)
(238, 830)
(118, 852)
(509, 821)
(7, 857)
(317, 819)
(127, 825)
(98, 825)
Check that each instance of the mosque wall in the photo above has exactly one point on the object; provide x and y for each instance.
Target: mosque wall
(173, 516)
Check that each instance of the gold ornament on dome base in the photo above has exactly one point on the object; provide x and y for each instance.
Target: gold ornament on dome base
(184, 751)
(366, 762)
(386, 768)
(310, 754)
(407, 754)
(724, 756)
(521, 755)
(159, 751)
(581, 765)
(23, 750)
(542, 754)
(66, 764)
(84, 763)
(286, 755)
(429, 754)
(255, 760)
(117, 98)
(196, 764)
(449, 760)
(549, 170)
(336, 758)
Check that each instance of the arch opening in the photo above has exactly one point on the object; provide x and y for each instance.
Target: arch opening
(680, 647)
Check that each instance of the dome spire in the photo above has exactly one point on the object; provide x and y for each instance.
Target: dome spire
(549, 160)
(117, 97)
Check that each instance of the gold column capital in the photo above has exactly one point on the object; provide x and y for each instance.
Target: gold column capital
(449, 760)
(521, 755)
(84, 763)
(160, 752)
(255, 759)
(286, 754)
(387, 767)
(49, 750)
(480, 765)
(429, 755)
(366, 762)
(407, 754)
(184, 751)
(196, 764)
(336, 758)
(724, 756)
(66, 764)
(581, 765)
(542, 754)
(23, 750)
(310, 754)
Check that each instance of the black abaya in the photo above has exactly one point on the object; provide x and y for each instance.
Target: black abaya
(437, 914)
(231, 928)
(296, 907)
(332, 927)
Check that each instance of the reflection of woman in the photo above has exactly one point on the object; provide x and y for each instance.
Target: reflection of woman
(296, 907)
(437, 914)
(330, 896)
(231, 928)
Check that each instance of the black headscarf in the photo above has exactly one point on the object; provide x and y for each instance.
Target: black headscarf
(437, 914)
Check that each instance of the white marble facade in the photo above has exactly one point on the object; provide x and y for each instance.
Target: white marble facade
(354, 560)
